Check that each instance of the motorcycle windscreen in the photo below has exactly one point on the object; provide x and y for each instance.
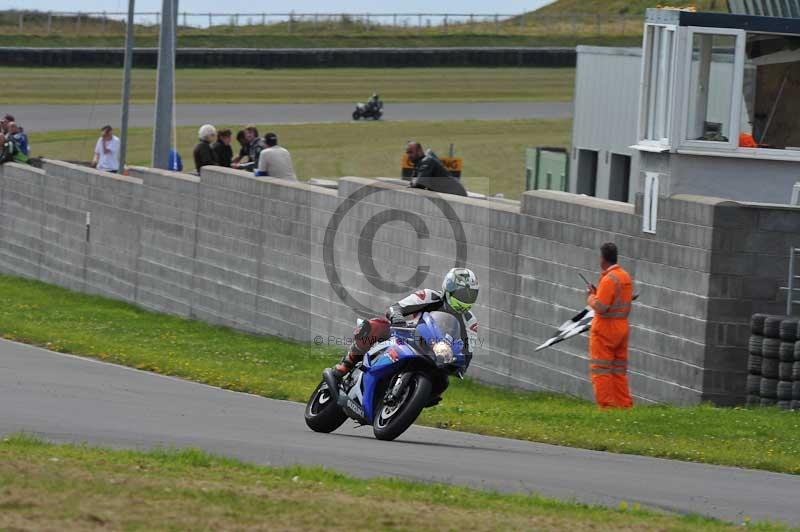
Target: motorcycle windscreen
(447, 325)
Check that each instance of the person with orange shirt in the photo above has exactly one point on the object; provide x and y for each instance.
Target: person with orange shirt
(608, 335)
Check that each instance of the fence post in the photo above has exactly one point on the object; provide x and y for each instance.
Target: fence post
(103, 26)
(21, 21)
(49, 22)
(210, 20)
(522, 21)
(291, 20)
(394, 20)
(445, 23)
(78, 22)
(184, 20)
(496, 23)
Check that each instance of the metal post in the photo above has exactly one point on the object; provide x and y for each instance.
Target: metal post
(790, 293)
(394, 20)
(78, 22)
(165, 85)
(497, 24)
(126, 87)
(49, 22)
(210, 20)
(21, 21)
(105, 20)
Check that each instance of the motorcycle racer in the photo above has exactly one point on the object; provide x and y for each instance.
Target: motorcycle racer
(459, 292)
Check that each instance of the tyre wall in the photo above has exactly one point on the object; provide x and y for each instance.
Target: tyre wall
(251, 253)
(296, 57)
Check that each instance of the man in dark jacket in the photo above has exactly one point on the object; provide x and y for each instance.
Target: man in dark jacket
(429, 172)
(203, 154)
(255, 145)
(223, 152)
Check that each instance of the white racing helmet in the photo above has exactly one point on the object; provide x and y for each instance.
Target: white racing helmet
(460, 289)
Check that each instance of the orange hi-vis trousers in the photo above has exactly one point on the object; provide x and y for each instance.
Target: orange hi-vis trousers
(608, 339)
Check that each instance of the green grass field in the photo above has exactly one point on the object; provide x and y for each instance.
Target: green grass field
(493, 151)
(252, 86)
(68, 488)
(32, 312)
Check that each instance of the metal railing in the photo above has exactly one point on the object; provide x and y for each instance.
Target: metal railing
(113, 22)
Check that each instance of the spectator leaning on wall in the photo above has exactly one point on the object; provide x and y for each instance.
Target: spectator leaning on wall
(223, 153)
(203, 154)
(4, 124)
(19, 136)
(10, 152)
(106, 151)
(275, 161)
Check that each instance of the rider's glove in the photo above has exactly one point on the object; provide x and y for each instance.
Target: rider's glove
(397, 318)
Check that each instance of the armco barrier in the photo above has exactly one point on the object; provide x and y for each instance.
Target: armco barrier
(296, 57)
(251, 253)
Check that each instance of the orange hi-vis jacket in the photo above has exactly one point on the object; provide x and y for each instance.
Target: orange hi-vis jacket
(608, 338)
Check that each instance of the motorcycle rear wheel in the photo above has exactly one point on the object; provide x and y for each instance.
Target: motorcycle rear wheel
(322, 413)
(393, 420)
(356, 115)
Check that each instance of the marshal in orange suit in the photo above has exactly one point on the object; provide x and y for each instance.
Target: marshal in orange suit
(608, 336)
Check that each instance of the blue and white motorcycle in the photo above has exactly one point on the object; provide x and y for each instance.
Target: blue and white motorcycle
(395, 381)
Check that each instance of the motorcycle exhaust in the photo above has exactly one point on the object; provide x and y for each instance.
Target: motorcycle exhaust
(333, 384)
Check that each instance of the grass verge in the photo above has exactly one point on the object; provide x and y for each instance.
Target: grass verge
(64, 487)
(33, 312)
(493, 151)
(37, 85)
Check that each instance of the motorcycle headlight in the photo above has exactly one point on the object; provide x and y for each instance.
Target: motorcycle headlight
(443, 352)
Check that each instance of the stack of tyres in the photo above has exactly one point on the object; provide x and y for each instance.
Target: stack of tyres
(773, 364)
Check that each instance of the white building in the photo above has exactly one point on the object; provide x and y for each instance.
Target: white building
(715, 99)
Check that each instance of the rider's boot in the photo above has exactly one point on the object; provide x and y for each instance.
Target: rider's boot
(348, 362)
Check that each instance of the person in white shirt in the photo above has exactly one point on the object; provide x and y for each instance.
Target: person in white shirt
(106, 152)
(276, 161)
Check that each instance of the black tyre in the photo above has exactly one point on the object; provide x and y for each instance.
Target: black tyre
(784, 391)
(771, 348)
(768, 401)
(796, 391)
(757, 324)
(786, 352)
(753, 400)
(753, 385)
(356, 115)
(796, 371)
(393, 420)
(772, 326)
(795, 405)
(788, 330)
(770, 368)
(754, 364)
(797, 351)
(785, 405)
(755, 345)
(785, 371)
(322, 412)
(769, 388)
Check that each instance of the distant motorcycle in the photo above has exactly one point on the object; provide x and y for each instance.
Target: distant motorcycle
(395, 381)
(368, 110)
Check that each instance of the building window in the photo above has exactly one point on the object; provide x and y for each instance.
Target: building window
(587, 172)
(714, 80)
(619, 181)
(657, 82)
(771, 93)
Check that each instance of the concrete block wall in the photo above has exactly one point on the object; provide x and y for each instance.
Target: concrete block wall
(250, 252)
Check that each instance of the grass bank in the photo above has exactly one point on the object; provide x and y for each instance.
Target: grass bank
(38, 85)
(61, 487)
(493, 151)
(33, 312)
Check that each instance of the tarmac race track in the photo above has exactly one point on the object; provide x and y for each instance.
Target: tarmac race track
(37, 118)
(69, 399)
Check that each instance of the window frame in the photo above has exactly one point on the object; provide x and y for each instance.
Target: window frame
(683, 142)
(665, 101)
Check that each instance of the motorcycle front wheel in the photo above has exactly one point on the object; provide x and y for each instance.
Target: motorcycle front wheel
(356, 115)
(322, 413)
(393, 419)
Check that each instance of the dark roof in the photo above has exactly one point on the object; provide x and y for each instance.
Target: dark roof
(751, 23)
